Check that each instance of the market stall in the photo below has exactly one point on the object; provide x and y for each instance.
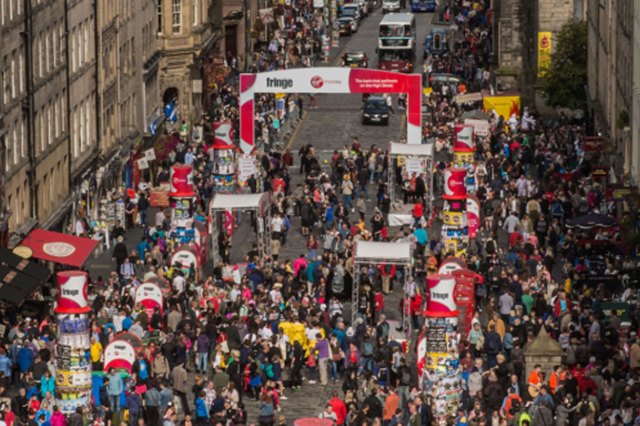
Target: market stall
(221, 210)
(413, 159)
(370, 252)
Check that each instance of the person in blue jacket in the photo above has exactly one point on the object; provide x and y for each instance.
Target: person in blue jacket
(25, 359)
(47, 384)
(134, 405)
(202, 413)
(5, 366)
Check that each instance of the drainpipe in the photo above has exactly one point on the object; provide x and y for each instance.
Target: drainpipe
(28, 109)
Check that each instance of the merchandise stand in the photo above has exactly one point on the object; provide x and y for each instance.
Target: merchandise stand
(371, 252)
(258, 203)
(412, 155)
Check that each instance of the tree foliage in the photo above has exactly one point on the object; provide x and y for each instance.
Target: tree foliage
(565, 81)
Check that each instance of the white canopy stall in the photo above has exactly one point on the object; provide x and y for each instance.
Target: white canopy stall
(258, 203)
(372, 252)
(416, 159)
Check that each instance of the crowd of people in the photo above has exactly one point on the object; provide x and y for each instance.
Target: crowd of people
(254, 331)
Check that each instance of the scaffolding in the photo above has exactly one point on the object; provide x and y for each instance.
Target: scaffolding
(257, 203)
(371, 252)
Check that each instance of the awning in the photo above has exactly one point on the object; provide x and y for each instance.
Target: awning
(59, 248)
(425, 150)
(16, 287)
(392, 252)
(236, 201)
(20, 264)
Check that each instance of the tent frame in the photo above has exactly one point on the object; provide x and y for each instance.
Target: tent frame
(404, 262)
(262, 210)
(395, 151)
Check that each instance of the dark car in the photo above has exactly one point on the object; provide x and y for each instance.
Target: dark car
(375, 110)
(355, 59)
(435, 43)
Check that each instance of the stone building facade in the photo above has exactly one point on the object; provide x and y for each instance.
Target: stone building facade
(613, 28)
(517, 23)
(188, 36)
(34, 95)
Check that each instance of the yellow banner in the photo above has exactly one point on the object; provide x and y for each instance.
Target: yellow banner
(504, 105)
(544, 52)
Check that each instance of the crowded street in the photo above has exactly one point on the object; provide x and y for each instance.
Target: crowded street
(361, 228)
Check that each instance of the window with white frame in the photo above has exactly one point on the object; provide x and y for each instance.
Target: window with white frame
(87, 119)
(23, 139)
(76, 136)
(21, 71)
(56, 118)
(43, 135)
(47, 58)
(196, 12)
(40, 56)
(159, 14)
(176, 16)
(63, 111)
(50, 123)
(13, 75)
(87, 54)
(14, 142)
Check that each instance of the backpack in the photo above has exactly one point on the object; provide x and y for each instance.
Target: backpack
(367, 348)
(268, 370)
(383, 329)
(405, 378)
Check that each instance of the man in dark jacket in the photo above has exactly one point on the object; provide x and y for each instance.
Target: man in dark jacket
(134, 405)
(375, 406)
(492, 345)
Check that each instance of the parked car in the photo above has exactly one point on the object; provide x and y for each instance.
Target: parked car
(364, 7)
(355, 59)
(375, 110)
(347, 25)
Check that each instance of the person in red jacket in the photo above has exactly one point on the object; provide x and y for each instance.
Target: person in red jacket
(417, 213)
(339, 407)
(562, 305)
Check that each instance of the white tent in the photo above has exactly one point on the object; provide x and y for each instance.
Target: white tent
(236, 201)
(398, 253)
(425, 150)
(393, 253)
(258, 203)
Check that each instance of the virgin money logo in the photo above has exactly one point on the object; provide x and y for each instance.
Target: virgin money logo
(317, 82)
(455, 184)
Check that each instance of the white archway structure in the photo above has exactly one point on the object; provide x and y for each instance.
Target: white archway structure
(329, 80)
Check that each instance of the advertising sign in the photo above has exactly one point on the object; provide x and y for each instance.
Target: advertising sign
(181, 181)
(480, 127)
(72, 292)
(440, 296)
(329, 80)
(73, 379)
(119, 355)
(544, 52)
(246, 168)
(223, 133)
(451, 264)
(453, 219)
(415, 165)
(461, 159)
(463, 138)
(150, 296)
(454, 184)
(473, 215)
(159, 198)
(505, 106)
